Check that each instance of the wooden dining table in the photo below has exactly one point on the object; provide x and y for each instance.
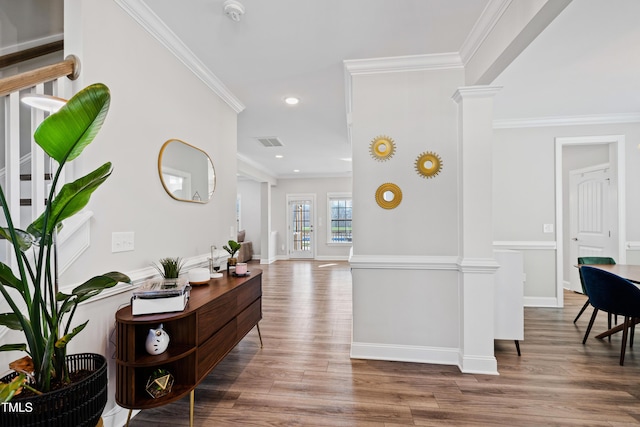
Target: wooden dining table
(628, 271)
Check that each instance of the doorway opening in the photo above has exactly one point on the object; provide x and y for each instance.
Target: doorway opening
(616, 201)
(300, 221)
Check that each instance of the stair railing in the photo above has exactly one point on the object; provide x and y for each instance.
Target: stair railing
(23, 170)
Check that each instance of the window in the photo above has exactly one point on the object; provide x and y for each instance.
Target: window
(339, 214)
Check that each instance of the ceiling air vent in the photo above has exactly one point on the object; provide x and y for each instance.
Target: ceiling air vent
(270, 141)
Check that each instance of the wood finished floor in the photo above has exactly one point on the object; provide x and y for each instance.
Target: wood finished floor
(304, 377)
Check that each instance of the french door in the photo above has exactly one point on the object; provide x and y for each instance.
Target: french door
(300, 219)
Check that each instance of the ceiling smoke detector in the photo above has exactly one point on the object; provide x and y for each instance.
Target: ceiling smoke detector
(233, 9)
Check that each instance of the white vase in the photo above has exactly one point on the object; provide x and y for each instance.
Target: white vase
(157, 341)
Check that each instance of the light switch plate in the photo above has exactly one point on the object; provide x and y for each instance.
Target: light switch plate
(122, 241)
(547, 228)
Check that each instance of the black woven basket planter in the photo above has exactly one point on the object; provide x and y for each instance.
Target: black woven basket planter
(80, 404)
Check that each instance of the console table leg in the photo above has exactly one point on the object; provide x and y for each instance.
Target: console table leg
(191, 401)
(259, 334)
(128, 417)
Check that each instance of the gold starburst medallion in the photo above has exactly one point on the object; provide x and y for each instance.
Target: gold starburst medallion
(428, 164)
(382, 148)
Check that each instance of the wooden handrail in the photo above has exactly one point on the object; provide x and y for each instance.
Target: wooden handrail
(70, 67)
(33, 52)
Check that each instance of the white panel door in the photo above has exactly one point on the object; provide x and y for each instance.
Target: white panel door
(590, 208)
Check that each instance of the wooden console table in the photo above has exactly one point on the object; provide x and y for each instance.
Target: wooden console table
(219, 314)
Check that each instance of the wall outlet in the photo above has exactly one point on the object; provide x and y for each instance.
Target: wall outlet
(547, 228)
(122, 241)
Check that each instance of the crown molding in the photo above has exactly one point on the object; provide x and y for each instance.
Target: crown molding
(438, 61)
(480, 91)
(604, 119)
(482, 28)
(251, 169)
(352, 67)
(152, 23)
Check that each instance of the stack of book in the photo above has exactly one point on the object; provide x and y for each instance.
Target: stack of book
(160, 296)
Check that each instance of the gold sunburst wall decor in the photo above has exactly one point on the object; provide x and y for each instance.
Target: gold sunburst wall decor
(382, 148)
(388, 195)
(428, 164)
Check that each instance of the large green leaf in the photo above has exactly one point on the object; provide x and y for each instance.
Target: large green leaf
(72, 198)
(11, 321)
(24, 239)
(9, 279)
(13, 347)
(8, 390)
(65, 134)
(90, 288)
(62, 342)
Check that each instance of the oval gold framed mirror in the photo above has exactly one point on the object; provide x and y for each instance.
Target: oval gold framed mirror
(186, 172)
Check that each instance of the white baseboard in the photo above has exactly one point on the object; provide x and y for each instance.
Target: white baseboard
(405, 353)
(332, 258)
(485, 365)
(318, 258)
(268, 261)
(117, 416)
(541, 302)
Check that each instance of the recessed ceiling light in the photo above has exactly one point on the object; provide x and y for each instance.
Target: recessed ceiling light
(279, 156)
(291, 100)
(346, 159)
(296, 170)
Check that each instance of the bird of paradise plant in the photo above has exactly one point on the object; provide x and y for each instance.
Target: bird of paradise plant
(38, 308)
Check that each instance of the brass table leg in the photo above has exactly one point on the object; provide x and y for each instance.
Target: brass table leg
(259, 334)
(191, 401)
(128, 417)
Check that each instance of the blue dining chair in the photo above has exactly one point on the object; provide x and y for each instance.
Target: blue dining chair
(592, 260)
(613, 294)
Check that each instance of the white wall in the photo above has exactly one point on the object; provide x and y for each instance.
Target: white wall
(320, 187)
(416, 110)
(154, 98)
(524, 195)
(405, 277)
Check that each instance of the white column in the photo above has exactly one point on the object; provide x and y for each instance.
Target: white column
(477, 265)
(265, 224)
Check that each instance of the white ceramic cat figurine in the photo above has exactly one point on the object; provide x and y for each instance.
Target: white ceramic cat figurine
(157, 341)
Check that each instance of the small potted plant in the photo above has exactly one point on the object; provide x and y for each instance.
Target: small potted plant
(232, 247)
(170, 268)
